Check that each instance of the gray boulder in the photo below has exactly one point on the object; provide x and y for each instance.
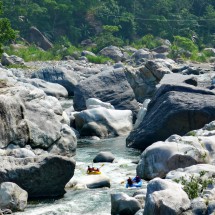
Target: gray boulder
(141, 54)
(173, 110)
(177, 78)
(39, 39)
(121, 204)
(108, 86)
(104, 157)
(112, 52)
(194, 170)
(103, 122)
(31, 117)
(162, 199)
(198, 206)
(42, 176)
(13, 127)
(12, 197)
(211, 207)
(90, 182)
(51, 89)
(144, 79)
(7, 60)
(20, 153)
(66, 145)
(59, 75)
(161, 49)
(85, 53)
(161, 157)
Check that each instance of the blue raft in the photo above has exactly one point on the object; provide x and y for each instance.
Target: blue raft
(139, 184)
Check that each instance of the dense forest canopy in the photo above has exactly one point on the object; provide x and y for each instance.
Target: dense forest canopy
(124, 20)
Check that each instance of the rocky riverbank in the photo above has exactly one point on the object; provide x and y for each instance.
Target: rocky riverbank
(47, 106)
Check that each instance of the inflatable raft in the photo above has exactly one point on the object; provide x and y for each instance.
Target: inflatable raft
(139, 184)
(93, 172)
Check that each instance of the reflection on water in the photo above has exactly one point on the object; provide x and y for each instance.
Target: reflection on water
(96, 201)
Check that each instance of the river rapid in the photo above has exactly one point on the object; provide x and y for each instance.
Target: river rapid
(92, 201)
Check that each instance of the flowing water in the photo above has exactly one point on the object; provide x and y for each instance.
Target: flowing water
(92, 201)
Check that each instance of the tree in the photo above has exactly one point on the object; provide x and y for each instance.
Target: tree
(6, 32)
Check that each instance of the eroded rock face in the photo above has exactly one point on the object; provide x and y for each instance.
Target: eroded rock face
(144, 79)
(31, 117)
(12, 197)
(42, 176)
(173, 110)
(13, 127)
(161, 198)
(108, 86)
(103, 122)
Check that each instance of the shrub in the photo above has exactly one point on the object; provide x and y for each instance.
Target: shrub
(148, 41)
(98, 59)
(195, 186)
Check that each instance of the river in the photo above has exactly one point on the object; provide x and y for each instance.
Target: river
(92, 201)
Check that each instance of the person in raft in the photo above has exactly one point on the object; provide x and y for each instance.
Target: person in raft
(90, 169)
(129, 181)
(136, 179)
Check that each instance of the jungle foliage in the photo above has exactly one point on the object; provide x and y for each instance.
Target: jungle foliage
(111, 21)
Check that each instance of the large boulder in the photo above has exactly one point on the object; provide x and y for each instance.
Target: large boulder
(31, 117)
(7, 60)
(104, 157)
(188, 172)
(108, 86)
(66, 145)
(59, 75)
(122, 204)
(175, 109)
(39, 39)
(144, 79)
(112, 52)
(90, 181)
(42, 176)
(165, 197)
(51, 89)
(103, 122)
(176, 152)
(42, 117)
(141, 54)
(13, 127)
(12, 197)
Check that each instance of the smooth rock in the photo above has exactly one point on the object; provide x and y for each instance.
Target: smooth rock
(104, 157)
(12, 197)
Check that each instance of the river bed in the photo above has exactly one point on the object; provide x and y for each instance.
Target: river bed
(92, 201)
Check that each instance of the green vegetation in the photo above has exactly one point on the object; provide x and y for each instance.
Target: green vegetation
(148, 41)
(6, 32)
(195, 186)
(188, 25)
(98, 59)
(131, 20)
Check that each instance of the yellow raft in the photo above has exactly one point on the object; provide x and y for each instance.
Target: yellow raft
(93, 172)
